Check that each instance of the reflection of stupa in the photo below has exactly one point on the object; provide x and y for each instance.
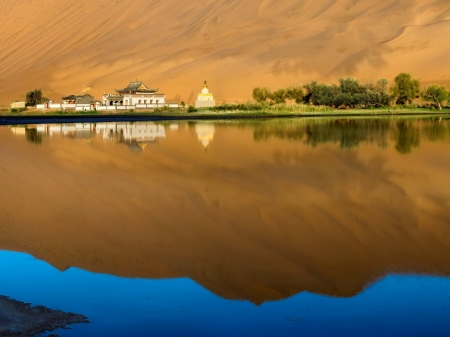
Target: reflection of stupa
(205, 133)
(205, 99)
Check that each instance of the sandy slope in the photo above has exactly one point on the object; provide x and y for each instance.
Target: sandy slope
(69, 46)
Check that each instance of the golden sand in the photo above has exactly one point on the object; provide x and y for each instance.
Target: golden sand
(71, 47)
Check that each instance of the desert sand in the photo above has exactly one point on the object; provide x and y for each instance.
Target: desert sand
(72, 47)
(247, 220)
(23, 320)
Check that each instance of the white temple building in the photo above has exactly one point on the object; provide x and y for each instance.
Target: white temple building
(135, 93)
(135, 96)
(205, 99)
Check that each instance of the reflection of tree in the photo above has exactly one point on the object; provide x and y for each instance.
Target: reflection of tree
(435, 130)
(287, 131)
(33, 136)
(408, 137)
(349, 133)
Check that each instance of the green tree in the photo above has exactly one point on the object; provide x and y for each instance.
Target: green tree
(350, 86)
(320, 94)
(435, 94)
(191, 109)
(279, 96)
(295, 93)
(376, 94)
(261, 94)
(35, 97)
(406, 89)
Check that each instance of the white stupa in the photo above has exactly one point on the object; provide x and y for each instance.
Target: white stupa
(205, 99)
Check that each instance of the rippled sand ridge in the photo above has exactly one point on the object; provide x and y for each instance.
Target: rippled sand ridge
(69, 47)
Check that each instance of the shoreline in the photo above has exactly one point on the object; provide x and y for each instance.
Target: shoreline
(22, 319)
(136, 117)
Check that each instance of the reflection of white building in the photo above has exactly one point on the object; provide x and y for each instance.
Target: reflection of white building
(18, 130)
(205, 133)
(135, 131)
(134, 135)
(68, 129)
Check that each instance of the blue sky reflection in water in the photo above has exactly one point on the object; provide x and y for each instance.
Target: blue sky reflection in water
(397, 305)
(228, 228)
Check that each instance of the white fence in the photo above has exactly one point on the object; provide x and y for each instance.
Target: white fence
(85, 107)
(137, 106)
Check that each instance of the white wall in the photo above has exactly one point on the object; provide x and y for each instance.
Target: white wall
(17, 105)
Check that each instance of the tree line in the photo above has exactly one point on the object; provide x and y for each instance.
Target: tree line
(350, 93)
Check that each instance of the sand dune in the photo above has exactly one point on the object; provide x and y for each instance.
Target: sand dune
(72, 46)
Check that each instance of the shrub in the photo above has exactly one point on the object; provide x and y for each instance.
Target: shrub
(191, 109)
(18, 110)
(295, 93)
(261, 94)
(234, 107)
(321, 94)
(279, 96)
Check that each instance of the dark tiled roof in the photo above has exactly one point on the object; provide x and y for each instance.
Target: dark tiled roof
(134, 86)
(82, 99)
(70, 98)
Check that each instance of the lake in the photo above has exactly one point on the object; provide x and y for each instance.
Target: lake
(291, 227)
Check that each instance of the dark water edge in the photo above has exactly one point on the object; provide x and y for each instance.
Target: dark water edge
(54, 119)
(26, 320)
(396, 305)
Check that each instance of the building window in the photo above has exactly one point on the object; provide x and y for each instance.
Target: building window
(151, 101)
(140, 101)
(145, 101)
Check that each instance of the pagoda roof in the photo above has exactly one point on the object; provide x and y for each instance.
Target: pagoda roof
(84, 99)
(137, 86)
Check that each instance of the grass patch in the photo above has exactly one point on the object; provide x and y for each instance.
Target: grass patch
(17, 110)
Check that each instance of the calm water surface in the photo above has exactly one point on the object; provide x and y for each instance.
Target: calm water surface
(304, 227)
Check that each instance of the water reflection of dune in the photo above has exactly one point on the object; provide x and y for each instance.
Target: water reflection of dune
(252, 220)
